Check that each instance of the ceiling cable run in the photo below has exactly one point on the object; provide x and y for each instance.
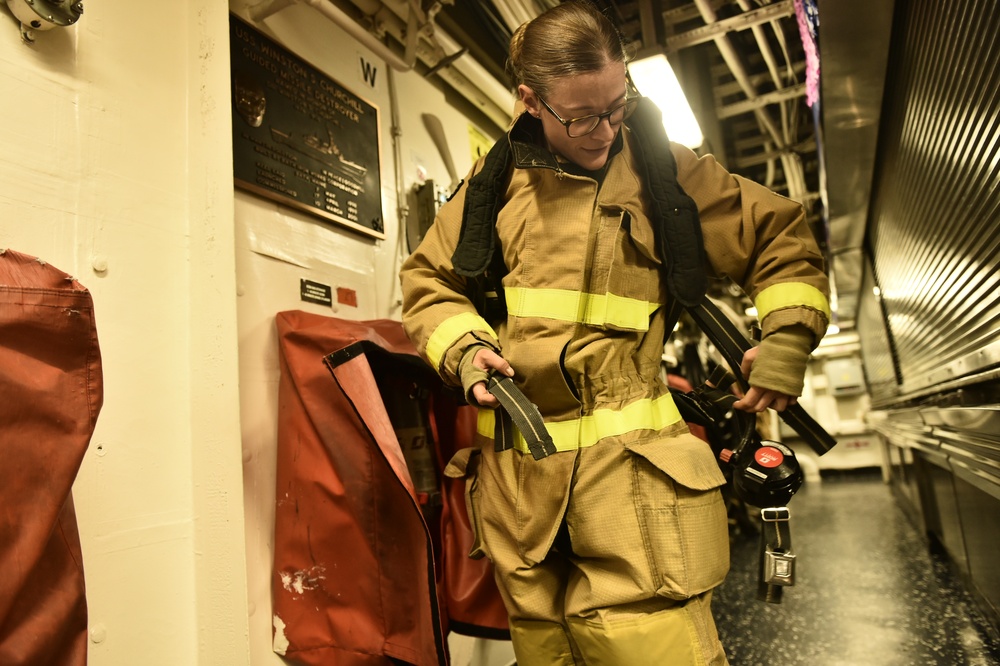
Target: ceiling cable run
(647, 23)
(736, 68)
(516, 12)
(735, 65)
(776, 97)
(762, 43)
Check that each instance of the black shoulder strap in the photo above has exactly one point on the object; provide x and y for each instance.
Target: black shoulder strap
(477, 255)
(674, 213)
(483, 198)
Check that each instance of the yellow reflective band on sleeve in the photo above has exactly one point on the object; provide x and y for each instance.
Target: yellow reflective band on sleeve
(790, 295)
(586, 431)
(578, 307)
(450, 330)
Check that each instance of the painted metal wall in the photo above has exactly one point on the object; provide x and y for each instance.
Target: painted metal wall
(115, 168)
(276, 246)
(933, 234)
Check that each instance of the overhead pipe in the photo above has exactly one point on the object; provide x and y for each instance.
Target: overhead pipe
(262, 10)
(466, 65)
(788, 129)
(516, 12)
(764, 46)
(267, 8)
(647, 24)
(466, 75)
(367, 39)
(469, 67)
(402, 205)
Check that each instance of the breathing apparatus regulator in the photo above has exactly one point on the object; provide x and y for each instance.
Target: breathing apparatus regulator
(762, 473)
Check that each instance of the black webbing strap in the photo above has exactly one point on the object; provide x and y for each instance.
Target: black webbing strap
(732, 344)
(503, 431)
(524, 415)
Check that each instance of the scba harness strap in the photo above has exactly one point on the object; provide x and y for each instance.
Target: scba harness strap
(477, 254)
(521, 413)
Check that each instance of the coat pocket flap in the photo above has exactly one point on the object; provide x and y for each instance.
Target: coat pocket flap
(685, 459)
(640, 230)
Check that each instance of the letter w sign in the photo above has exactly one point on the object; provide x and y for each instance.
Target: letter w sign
(368, 72)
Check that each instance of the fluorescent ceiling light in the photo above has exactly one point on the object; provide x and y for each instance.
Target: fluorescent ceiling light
(654, 77)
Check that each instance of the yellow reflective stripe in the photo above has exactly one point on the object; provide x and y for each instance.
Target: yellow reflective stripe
(575, 306)
(450, 330)
(790, 295)
(646, 414)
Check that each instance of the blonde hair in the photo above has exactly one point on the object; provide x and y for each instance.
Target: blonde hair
(571, 38)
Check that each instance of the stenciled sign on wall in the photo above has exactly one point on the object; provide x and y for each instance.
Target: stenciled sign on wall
(300, 138)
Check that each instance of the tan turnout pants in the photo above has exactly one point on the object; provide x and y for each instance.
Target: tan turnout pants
(606, 555)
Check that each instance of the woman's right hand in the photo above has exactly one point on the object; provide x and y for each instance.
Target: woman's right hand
(487, 359)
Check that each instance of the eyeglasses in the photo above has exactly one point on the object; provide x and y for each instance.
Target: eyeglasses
(584, 125)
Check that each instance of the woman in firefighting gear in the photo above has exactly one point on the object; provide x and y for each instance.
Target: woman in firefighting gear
(605, 552)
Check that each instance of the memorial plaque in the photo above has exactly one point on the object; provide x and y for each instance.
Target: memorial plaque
(300, 138)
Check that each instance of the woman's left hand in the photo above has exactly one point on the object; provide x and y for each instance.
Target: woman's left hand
(758, 399)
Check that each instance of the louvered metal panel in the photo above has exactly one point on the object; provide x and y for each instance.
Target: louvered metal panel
(934, 230)
(876, 347)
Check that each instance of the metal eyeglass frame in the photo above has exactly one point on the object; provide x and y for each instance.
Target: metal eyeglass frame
(625, 107)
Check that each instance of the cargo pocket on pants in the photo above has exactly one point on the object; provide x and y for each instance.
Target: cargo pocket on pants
(682, 517)
(465, 465)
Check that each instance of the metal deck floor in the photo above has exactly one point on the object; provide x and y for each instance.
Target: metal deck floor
(868, 593)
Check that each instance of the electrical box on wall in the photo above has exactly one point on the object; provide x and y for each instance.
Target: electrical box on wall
(424, 199)
(844, 376)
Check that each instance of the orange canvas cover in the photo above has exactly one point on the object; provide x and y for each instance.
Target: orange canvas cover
(50, 395)
(371, 546)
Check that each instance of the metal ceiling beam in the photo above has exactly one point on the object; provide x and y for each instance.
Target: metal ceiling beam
(716, 29)
(723, 90)
(735, 64)
(686, 12)
(647, 22)
(775, 97)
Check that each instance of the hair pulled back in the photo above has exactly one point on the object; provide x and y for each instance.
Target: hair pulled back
(571, 38)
